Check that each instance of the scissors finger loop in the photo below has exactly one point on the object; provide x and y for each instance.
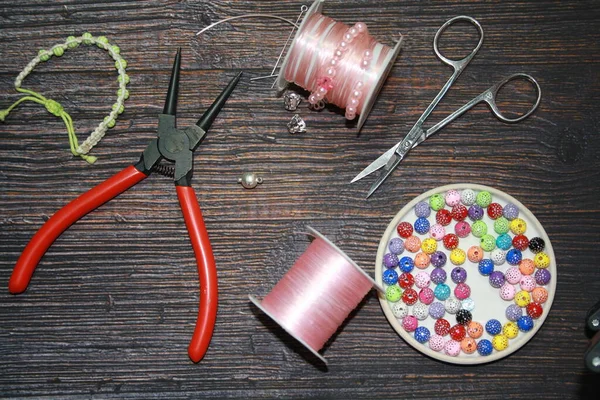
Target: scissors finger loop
(492, 93)
(457, 64)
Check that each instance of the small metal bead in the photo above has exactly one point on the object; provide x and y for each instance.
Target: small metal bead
(249, 180)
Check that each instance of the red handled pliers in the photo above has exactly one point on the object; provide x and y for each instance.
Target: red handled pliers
(174, 145)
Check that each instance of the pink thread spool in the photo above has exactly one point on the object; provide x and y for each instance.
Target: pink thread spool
(317, 294)
(312, 50)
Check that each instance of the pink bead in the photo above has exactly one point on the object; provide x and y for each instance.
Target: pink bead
(343, 46)
(322, 90)
(348, 37)
(527, 283)
(338, 54)
(436, 342)
(357, 94)
(422, 280)
(353, 102)
(462, 229)
(452, 348)
(353, 31)
(368, 54)
(410, 323)
(437, 232)
(507, 292)
(330, 72)
(351, 110)
(319, 96)
(513, 275)
(359, 85)
(312, 99)
(426, 296)
(350, 117)
(361, 27)
(333, 62)
(452, 198)
(364, 64)
(462, 291)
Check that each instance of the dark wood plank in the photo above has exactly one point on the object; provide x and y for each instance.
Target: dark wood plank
(112, 306)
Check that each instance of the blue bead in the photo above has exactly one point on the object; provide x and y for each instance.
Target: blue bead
(525, 323)
(493, 327)
(484, 347)
(514, 256)
(442, 291)
(406, 264)
(422, 226)
(422, 334)
(390, 277)
(486, 267)
(504, 241)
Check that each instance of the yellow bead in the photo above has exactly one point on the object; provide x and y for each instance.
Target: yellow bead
(541, 260)
(518, 226)
(125, 93)
(109, 122)
(429, 246)
(510, 330)
(500, 342)
(119, 110)
(58, 51)
(522, 298)
(122, 62)
(457, 256)
(72, 42)
(87, 38)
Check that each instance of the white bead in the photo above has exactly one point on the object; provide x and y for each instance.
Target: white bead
(330, 72)
(348, 37)
(359, 85)
(338, 53)
(353, 31)
(364, 64)
(312, 99)
(357, 94)
(361, 27)
(333, 62)
(368, 55)
(343, 46)
(350, 109)
(322, 90)
(319, 96)
(353, 102)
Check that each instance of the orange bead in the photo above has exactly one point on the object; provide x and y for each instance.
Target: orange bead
(412, 244)
(540, 295)
(475, 329)
(475, 254)
(526, 266)
(422, 260)
(468, 345)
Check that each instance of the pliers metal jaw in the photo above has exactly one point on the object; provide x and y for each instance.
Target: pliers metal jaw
(174, 145)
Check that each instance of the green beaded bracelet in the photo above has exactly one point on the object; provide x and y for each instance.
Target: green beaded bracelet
(55, 108)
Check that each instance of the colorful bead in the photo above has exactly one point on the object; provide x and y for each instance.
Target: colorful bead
(400, 310)
(541, 260)
(422, 334)
(426, 296)
(458, 275)
(458, 256)
(410, 323)
(486, 267)
(497, 279)
(526, 266)
(500, 342)
(443, 217)
(406, 280)
(514, 257)
(393, 293)
(525, 323)
(504, 241)
(404, 229)
(422, 260)
(539, 295)
(513, 312)
(396, 246)
(467, 197)
(410, 296)
(441, 291)
(412, 244)
(498, 256)
(542, 277)
(510, 330)
(507, 292)
(513, 275)
(406, 264)
(441, 326)
(436, 343)
(458, 332)
(459, 212)
(390, 277)
(479, 229)
(475, 212)
(475, 329)
(452, 348)
(518, 226)
(421, 311)
(429, 246)
(390, 260)
(450, 241)
(483, 199)
(522, 298)
(475, 254)
(520, 242)
(494, 210)
(462, 229)
(422, 226)
(527, 283)
(452, 197)
(488, 242)
(436, 202)
(452, 305)
(463, 317)
(422, 209)
(484, 347)
(537, 244)
(510, 211)
(534, 310)
(422, 280)
(438, 275)
(468, 304)
(501, 225)
(462, 291)
(437, 232)
(438, 259)
(437, 311)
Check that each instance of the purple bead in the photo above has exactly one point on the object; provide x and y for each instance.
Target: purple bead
(437, 310)
(542, 277)
(390, 260)
(510, 211)
(458, 275)
(438, 259)
(475, 212)
(514, 312)
(438, 276)
(422, 209)
(497, 279)
(396, 246)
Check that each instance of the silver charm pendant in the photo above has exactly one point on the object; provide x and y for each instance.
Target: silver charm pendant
(250, 180)
(296, 125)
(291, 101)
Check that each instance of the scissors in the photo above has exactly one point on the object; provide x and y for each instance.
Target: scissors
(392, 158)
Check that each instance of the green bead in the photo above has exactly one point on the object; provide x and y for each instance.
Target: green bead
(87, 38)
(488, 242)
(72, 42)
(43, 54)
(393, 293)
(122, 62)
(120, 110)
(123, 78)
(109, 122)
(479, 228)
(436, 202)
(120, 92)
(483, 199)
(58, 51)
(101, 40)
(501, 225)
(116, 49)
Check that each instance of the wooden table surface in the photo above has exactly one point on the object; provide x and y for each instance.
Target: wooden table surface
(112, 306)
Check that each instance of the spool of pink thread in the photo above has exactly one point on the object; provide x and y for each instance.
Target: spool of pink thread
(317, 294)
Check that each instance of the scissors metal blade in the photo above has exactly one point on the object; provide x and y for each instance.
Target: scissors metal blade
(378, 163)
(390, 166)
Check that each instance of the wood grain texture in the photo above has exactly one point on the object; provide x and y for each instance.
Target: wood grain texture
(112, 306)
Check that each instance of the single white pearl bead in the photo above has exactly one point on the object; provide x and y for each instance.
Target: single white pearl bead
(364, 63)
(351, 110)
(338, 53)
(330, 72)
(368, 54)
(312, 99)
(359, 85)
(357, 94)
(348, 37)
(322, 91)
(333, 62)
(353, 102)
(361, 27)
(353, 31)
(343, 46)
(319, 96)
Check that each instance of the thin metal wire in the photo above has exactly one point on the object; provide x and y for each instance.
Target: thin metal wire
(303, 9)
(247, 16)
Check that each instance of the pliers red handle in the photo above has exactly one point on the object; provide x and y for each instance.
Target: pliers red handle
(174, 145)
